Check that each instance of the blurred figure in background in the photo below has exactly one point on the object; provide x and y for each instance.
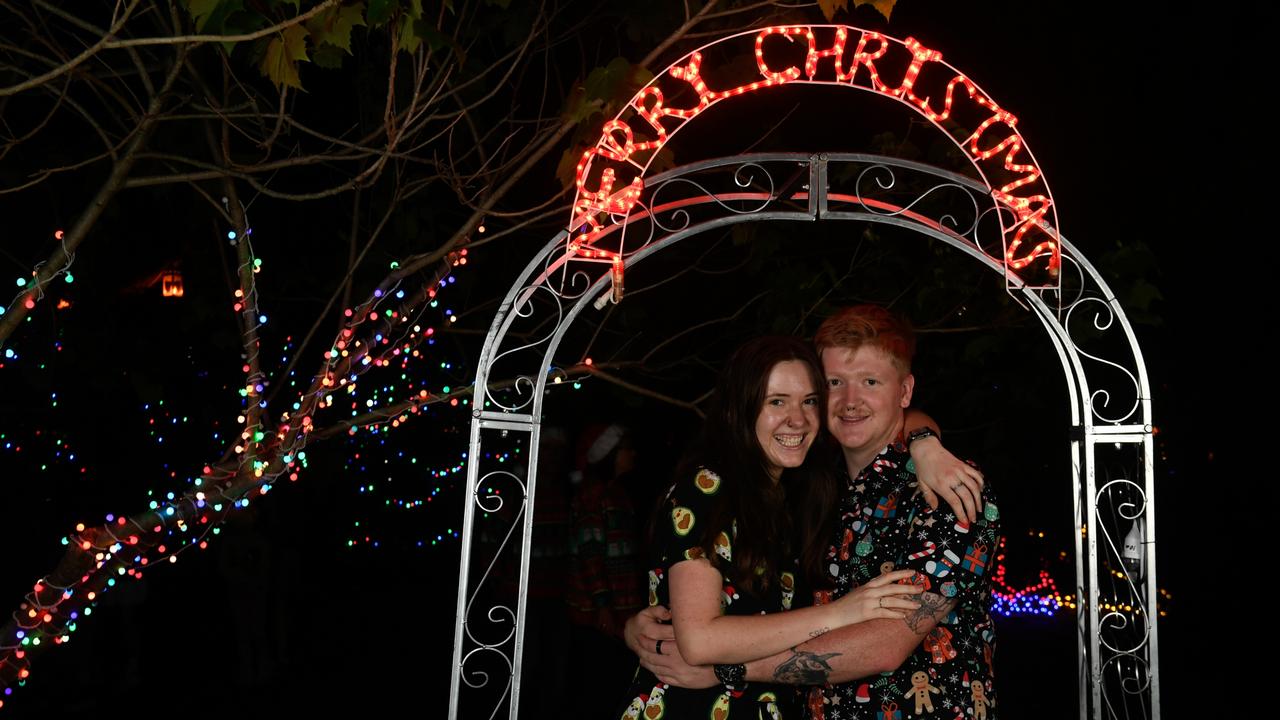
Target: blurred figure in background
(606, 576)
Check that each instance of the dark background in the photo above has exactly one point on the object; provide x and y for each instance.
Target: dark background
(1143, 119)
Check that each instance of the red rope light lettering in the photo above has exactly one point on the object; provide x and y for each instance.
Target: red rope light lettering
(835, 51)
(919, 56)
(692, 74)
(652, 115)
(791, 73)
(949, 98)
(864, 58)
(1032, 208)
(591, 205)
(1030, 211)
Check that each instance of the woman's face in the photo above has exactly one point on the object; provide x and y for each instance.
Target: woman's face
(788, 420)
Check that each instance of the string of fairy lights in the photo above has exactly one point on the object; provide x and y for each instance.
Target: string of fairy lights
(32, 290)
(1042, 597)
(386, 331)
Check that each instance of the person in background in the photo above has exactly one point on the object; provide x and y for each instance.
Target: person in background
(547, 616)
(605, 563)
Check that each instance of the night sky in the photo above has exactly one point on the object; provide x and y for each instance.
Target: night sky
(1145, 123)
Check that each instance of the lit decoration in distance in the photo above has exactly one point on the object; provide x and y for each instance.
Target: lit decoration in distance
(1043, 597)
(171, 284)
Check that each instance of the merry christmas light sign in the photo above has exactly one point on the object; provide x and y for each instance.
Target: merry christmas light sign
(610, 175)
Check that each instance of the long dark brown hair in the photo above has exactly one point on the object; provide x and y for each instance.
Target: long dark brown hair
(774, 520)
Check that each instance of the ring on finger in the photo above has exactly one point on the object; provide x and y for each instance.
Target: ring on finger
(657, 647)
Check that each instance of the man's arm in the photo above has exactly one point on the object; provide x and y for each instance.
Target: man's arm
(843, 654)
(940, 473)
(853, 651)
(877, 646)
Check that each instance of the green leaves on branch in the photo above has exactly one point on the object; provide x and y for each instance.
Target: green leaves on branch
(380, 11)
(831, 7)
(607, 88)
(284, 52)
(334, 27)
(604, 92)
(324, 38)
(407, 37)
(210, 16)
(330, 34)
(405, 19)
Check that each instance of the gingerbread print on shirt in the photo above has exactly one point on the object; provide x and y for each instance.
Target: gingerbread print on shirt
(884, 525)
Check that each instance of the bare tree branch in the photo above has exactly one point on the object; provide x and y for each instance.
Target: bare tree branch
(640, 390)
(75, 62)
(72, 238)
(241, 37)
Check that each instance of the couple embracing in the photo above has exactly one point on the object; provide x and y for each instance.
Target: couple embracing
(798, 567)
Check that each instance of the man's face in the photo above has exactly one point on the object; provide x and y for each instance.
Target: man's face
(866, 397)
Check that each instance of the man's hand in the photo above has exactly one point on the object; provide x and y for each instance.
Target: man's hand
(942, 474)
(650, 637)
(644, 629)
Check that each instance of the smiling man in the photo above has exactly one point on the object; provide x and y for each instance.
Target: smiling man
(936, 661)
(866, 354)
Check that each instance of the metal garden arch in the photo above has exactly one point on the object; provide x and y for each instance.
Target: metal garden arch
(1002, 215)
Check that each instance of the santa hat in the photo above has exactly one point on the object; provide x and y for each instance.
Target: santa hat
(594, 444)
(604, 443)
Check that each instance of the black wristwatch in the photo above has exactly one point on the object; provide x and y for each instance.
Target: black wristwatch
(733, 677)
(921, 432)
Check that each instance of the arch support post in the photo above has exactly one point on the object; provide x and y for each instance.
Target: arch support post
(1117, 595)
(497, 528)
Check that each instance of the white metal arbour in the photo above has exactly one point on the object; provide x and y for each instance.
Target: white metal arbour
(1111, 445)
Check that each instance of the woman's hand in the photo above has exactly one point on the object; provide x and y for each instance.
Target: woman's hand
(942, 474)
(880, 598)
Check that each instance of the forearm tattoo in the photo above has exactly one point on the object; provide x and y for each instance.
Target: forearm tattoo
(933, 607)
(819, 631)
(804, 668)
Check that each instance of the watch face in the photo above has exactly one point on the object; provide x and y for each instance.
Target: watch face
(918, 433)
(730, 674)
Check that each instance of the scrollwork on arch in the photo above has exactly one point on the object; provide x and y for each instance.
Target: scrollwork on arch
(1103, 321)
(741, 178)
(886, 179)
(498, 615)
(493, 504)
(1134, 681)
(495, 498)
(991, 247)
(524, 385)
(1128, 500)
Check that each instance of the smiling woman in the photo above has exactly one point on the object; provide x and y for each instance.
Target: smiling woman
(788, 420)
